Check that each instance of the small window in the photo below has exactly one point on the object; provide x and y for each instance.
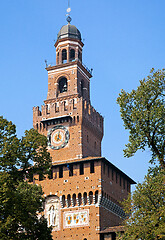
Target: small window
(81, 168)
(74, 119)
(108, 171)
(72, 55)
(74, 199)
(87, 138)
(77, 118)
(56, 107)
(82, 88)
(112, 174)
(79, 199)
(124, 183)
(79, 55)
(85, 198)
(64, 56)
(63, 200)
(92, 168)
(116, 177)
(96, 196)
(65, 107)
(61, 172)
(70, 167)
(69, 200)
(91, 197)
(63, 85)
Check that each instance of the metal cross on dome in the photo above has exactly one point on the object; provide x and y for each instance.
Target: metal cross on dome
(69, 19)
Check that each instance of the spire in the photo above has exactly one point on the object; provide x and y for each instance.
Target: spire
(69, 19)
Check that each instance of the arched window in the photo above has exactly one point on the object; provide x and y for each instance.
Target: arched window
(64, 56)
(37, 126)
(72, 55)
(63, 200)
(96, 196)
(79, 199)
(74, 199)
(82, 88)
(74, 119)
(91, 197)
(85, 198)
(63, 85)
(79, 55)
(69, 200)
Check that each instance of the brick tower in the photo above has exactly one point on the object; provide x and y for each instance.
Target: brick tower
(82, 195)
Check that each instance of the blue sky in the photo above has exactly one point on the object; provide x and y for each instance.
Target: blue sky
(123, 40)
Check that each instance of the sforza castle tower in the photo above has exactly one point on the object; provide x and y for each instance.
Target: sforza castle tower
(84, 191)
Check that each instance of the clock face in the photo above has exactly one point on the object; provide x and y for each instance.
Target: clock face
(58, 137)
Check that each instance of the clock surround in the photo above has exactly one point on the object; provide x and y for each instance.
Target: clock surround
(58, 137)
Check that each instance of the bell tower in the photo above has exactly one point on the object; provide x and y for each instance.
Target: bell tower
(84, 191)
(73, 127)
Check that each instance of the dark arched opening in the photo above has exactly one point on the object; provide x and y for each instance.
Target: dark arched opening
(96, 196)
(74, 199)
(63, 200)
(69, 200)
(85, 198)
(72, 55)
(64, 56)
(79, 199)
(63, 85)
(91, 197)
(82, 88)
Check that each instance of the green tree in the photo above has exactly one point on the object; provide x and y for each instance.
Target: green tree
(143, 113)
(146, 208)
(20, 202)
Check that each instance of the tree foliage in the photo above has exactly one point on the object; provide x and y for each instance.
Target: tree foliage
(146, 208)
(21, 202)
(143, 113)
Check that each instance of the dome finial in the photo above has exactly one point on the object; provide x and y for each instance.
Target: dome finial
(69, 19)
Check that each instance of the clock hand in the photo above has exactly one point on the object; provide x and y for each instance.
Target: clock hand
(58, 136)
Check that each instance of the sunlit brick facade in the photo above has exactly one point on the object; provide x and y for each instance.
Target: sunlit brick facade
(83, 194)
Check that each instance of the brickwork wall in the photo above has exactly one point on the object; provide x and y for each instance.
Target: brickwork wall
(108, 219)
(74, 185)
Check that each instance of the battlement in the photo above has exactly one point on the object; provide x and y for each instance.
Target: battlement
(90, 114)
(58, 108)
(76, 108)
